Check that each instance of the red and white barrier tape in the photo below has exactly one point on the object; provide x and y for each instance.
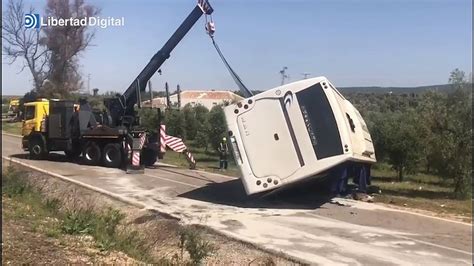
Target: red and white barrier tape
(176, 144)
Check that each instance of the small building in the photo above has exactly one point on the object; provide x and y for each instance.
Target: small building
(194, 97)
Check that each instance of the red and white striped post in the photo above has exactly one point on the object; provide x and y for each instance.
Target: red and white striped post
(163, 138)
(190, 158)
(136, 149)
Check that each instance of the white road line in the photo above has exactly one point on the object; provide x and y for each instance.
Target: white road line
(436, 245)
(384, 207)
(11, 135)
(171, 180)
(216, 174)
(431, 217)
(100, 190)
(10, 141)
(400, 236)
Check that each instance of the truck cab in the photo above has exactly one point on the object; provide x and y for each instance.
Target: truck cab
(34, 113)
(47, 127)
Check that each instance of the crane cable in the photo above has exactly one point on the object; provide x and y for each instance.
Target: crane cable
(210, 29)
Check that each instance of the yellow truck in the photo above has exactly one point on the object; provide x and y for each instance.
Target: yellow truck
(47, 127)
(13, 113)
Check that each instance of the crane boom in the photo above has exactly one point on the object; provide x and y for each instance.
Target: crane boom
(124, 105)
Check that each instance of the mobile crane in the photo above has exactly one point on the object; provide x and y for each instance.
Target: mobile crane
(111, 138)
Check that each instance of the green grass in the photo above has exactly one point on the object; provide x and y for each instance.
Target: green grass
(191, 240)
(50, 217)
(421, 191)
(12, 128)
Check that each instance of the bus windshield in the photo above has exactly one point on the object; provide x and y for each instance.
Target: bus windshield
(320, 121)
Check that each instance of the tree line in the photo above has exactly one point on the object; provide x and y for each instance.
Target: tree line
(203, 127)
(429, 132)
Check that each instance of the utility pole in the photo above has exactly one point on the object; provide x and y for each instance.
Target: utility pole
(168, 101)
(89, 83)
(283, 75)
(305, 75)
(178, 91)
(151, 93)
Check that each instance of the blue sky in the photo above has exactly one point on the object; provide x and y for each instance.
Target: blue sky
(353, 43)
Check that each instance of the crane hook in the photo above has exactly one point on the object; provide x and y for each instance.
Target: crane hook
(210, 26)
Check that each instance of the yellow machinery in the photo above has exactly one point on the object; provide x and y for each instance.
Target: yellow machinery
(47, 127)
(33, 117)
(14, 109)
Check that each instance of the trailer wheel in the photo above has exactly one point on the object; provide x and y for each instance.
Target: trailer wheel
(37, 148)
(148, 157)
(91, 153)
(112, 156)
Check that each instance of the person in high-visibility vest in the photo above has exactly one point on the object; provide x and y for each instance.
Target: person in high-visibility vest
(223, 153)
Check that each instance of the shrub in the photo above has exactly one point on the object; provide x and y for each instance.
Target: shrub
(78, 222)
(15, 183)
(197, 248)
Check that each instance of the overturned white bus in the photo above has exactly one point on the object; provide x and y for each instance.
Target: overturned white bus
(294, 132)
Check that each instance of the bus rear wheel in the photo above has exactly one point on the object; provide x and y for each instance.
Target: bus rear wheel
(112, 155)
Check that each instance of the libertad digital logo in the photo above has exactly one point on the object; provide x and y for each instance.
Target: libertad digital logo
(32, 21)
(36, 21)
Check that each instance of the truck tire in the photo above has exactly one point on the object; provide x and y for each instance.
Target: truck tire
(112, 155)
(37, 148)
(91, 154)
(148, 157)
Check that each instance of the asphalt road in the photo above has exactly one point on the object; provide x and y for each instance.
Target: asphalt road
(296, 222)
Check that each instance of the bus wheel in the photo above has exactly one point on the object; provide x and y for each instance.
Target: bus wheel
(112, 156)
(37, 149)
(148, 157)
(91, 153)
